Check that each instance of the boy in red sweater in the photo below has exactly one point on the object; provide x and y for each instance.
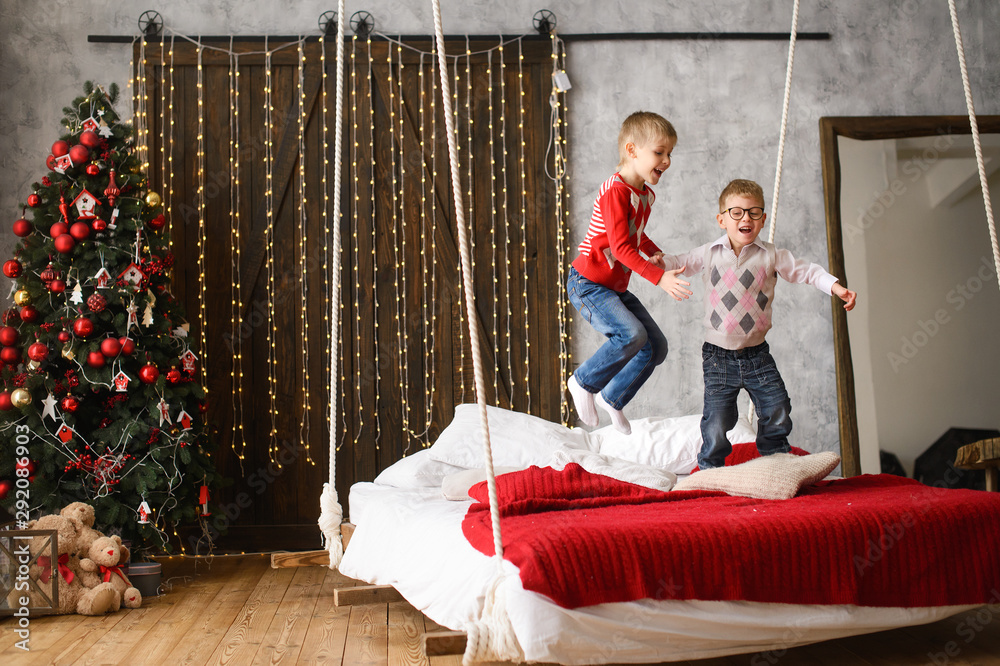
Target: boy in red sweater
(598, 280)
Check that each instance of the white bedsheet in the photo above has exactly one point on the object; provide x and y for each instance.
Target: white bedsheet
(412, 539)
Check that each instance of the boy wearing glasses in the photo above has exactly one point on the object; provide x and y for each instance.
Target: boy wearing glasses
(740, 272)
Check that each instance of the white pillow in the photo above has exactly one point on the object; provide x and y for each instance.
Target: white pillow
(417, 470)
(670, 443)
(516, 439)
(777, 476)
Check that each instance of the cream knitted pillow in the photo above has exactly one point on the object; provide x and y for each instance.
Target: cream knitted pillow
(778, 476)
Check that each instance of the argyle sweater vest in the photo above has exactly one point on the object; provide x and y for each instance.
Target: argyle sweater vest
(739, 293)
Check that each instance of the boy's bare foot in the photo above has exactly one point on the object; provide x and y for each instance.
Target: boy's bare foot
(617, 417)
(584, 402)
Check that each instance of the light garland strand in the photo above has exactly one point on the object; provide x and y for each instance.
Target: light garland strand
(374, 221)
(269, 243)
(493, 233)
(202, 283)
(395, 116)
(236, 296)
(524, 227)
(469, 195)
(170, 152)
(355, 223)
(506, 219)
(306, 412)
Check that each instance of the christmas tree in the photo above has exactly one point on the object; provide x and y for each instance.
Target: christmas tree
(101, 399)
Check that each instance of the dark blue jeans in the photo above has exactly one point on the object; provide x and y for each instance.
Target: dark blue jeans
(726, 372)
(635, 343)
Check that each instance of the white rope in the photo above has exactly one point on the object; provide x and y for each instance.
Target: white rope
(492, 636)
(975, 138)
(751, 412)
(331, 513)
(784, 119)
(470, 308)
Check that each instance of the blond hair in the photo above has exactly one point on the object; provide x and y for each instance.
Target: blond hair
(741, 187)
(642, 128)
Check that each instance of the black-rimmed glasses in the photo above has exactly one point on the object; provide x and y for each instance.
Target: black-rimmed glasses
(737, 213)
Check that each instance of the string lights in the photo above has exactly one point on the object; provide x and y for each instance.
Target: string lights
(388, 220)
(236, 304)
(202, 282)
(303, 256)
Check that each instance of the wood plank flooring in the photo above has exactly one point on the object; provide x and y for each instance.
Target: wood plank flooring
(238, 610)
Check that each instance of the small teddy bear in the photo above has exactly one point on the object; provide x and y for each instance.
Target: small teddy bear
(103, 566)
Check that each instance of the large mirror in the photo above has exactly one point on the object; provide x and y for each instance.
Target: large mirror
(906, 228)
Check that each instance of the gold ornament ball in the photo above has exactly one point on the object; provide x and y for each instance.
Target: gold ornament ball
(68, 354)
(22, 297)
(20, 398)
(153, 199)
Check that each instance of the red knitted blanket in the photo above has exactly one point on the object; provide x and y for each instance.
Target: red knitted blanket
(874, 540)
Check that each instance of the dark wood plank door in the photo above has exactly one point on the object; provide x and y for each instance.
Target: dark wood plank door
(252, 218)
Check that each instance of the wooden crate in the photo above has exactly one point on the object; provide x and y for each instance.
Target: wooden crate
(22, 569)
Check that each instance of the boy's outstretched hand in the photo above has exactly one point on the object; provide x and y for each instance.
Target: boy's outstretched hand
(845, 294)
(671, 284)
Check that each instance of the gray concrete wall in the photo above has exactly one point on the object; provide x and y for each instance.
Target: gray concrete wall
(892, 58)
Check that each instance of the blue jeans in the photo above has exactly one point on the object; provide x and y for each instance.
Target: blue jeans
(726, 372)
(635, 343)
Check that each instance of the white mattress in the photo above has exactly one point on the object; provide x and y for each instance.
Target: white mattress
(412, 539)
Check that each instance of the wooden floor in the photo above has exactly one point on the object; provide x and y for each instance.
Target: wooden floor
(238, 610)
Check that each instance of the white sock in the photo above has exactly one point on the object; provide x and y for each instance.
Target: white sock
(617, 417)
(584, 402)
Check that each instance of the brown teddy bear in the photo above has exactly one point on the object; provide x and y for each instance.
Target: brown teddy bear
(104, 566)
(83, 516)
(72, 595)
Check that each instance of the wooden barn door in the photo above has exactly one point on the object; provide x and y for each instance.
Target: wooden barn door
(252, 222)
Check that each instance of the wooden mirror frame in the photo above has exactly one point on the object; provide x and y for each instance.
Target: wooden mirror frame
(865, 128)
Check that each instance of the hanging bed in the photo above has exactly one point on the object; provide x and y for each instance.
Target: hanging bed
(598, 570)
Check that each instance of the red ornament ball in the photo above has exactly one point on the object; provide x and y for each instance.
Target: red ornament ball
(90, 139)
(29, 314)
(173, 375)
(57, 286)
(128, 345)
(158, 222)
(64, 243)
(98, 224)
(148, 374)
(92, 169)
(95, 359)
(5, 404)
(38, 352)
(82, 327)
(110, 347)
(58, 229)
(60, 148)
(10, 355)
(48, 274)
(69, 404)
(9, 336)
(80, 230)
(63, 336)
(22, 228)
(79, 154)
(34, 200)
(50, 162)
(5, 488)
(12, 268)
(96, 303)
